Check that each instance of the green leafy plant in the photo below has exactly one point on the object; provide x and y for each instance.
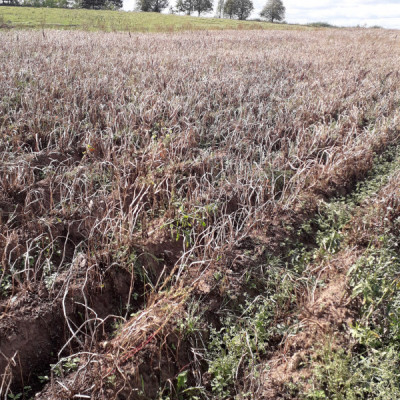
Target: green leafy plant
(65, 365)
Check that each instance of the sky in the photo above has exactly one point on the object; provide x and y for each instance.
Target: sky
(385, 13)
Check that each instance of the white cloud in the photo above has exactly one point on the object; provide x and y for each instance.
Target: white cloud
(337, 12)
(345, 12)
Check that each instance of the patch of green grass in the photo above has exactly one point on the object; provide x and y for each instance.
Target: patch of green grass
(375, 279)
(385, 165)
(238, 347)
(340, 375)
(248, 326)
(99, 20)
(369, 369)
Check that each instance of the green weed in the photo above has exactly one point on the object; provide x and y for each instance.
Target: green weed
(341, 375)
(237, 347)
(371, 369)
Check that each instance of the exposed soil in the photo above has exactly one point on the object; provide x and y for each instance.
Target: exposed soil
(33, 324)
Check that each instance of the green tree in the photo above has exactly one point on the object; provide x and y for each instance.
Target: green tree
(239, 9)
(152, 5)
(243, 9)
(45, 3)
(202, 6)
(274, 10)
(185, 6)
(229, 8)
(10, 3)
(180, 7)
(189, 6)
(101, 4)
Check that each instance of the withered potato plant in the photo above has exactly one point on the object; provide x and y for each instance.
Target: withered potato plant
(134, 167)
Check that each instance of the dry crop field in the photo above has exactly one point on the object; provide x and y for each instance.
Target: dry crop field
(166, 212)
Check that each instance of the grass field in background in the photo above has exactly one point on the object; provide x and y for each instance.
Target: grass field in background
(95, 20)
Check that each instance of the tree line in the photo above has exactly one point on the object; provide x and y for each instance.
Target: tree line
(88, 4)
(274, 10)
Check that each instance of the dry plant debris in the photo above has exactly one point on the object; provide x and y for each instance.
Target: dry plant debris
(150, 183)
